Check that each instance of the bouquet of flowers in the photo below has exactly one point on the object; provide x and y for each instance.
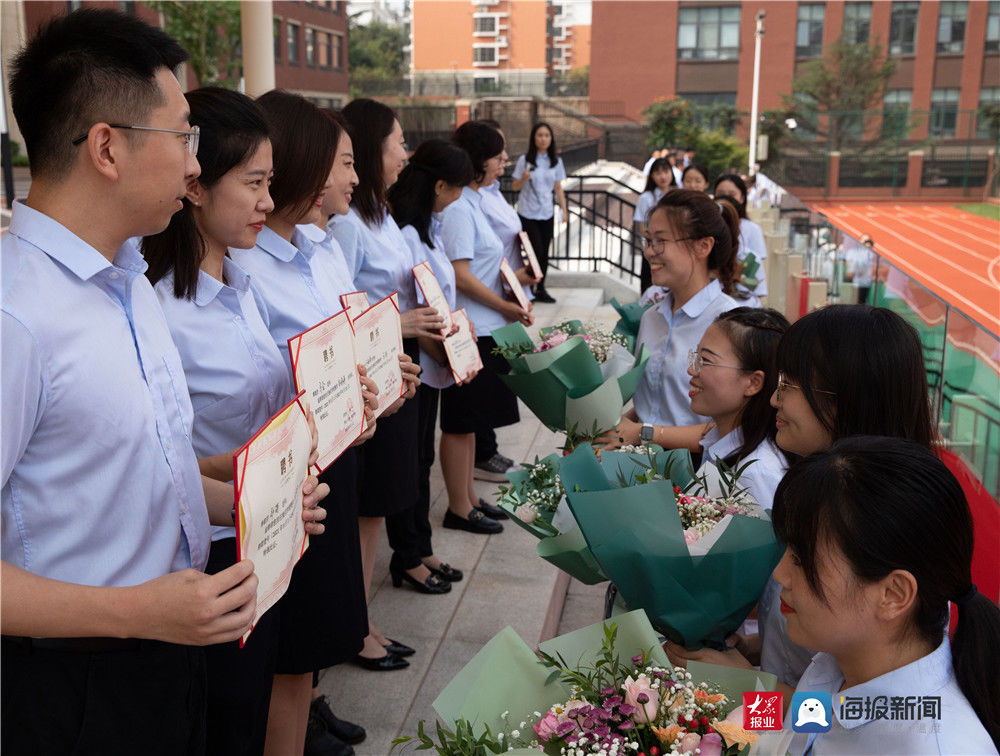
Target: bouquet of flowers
(604, 689)
(576, 377)
(628, 322)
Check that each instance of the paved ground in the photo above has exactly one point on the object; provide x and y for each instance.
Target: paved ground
(505, 584)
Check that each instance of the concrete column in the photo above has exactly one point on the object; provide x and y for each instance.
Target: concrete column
(833, 174)
(914, 172)
(257, 26)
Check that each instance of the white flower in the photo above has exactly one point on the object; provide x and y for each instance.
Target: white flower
(500, 735)
(515, 733)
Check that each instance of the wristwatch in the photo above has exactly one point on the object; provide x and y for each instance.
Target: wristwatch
(646, 433)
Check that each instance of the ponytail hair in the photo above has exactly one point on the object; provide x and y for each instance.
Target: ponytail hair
(695, 215)
(890, 504)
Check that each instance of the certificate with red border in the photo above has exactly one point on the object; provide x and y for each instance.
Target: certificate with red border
(510, 278)
(325, 366)
(378, 336)
(268, 473)
(433, 294)
(355, 303)
(529, 254)
(463, 354)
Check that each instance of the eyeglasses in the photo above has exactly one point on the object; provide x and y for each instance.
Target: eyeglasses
(191, 137)
(658, 245)
(783, 384)
(696, 362)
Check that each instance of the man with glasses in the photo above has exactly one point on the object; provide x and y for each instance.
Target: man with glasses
(104, 511)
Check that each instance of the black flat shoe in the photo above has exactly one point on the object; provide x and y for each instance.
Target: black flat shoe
(432, 583)
(446, 572)
(477, 523)
(491, 511)
(348, 732)
(386, 663)
(544, 297)
(397, 648)
(321, 742)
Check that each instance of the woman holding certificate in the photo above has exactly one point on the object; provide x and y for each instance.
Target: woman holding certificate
(237, 377)
(380, 262)
(300, 286)
(476, 252)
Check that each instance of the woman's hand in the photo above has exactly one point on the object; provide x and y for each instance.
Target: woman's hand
(625, 432)
(410, 372)
(513, 311)
(680, 656)
(369, 393)
(423, 321)
(311, 419)
(313, 492)
(525, 277)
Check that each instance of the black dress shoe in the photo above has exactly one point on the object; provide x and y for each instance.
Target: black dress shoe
(446, 571)
(476, 523)
(341, 729)
(491, 511)
(397, 648)
(431, 584)
(386, 663)
(321, 742)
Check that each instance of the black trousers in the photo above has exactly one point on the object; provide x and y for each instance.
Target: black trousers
(148, 700)
(486, 445)
(540, 235)
(409, 531)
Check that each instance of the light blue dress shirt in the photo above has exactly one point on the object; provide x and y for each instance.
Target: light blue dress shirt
(466, 234)
(752, 240)
(505, 223)
(236, 376)
(957, 731)
(535, 199)
(645, 204)
(297, 283)
(433, 373)
(662, 395)
(377, 257)
(100, 483)
(760, 479)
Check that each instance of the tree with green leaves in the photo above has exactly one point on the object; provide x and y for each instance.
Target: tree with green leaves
(375, 51)
(677, 123)
(210, 32)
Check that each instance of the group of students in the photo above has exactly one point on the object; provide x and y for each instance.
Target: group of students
(832, 414)
(169, 247)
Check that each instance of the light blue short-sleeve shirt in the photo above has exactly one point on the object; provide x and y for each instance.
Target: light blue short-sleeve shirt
(236, 375)
(100, 483)
(752, 240)
(433, 373)
(645, 204)
(505, 223)
(535, 199)
(761, 477)
(662, 395)
(466, 234)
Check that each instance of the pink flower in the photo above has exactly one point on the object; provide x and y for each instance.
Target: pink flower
(546, 727)
(691, 535)
(525, 513)
(640, 694)
(711, 745)
(689, 742)
(556, 338)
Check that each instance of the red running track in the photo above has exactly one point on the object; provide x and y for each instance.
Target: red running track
(953, 253)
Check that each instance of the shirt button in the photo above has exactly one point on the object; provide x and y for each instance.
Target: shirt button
(114, 275)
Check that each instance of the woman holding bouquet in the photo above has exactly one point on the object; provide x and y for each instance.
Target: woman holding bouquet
(863, 582)
(732, 186)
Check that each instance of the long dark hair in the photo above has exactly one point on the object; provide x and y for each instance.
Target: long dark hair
(371, 122)
(411, 198)
(232, 128)
(660, 164)
(870, 361)
(754, 333)
(700, 169)
(890, 504)
(695, 215)
(481, 142)
(531, 157)
(736, 180)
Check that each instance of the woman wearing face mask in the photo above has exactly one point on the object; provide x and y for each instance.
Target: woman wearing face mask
(731, 185)
(879, 539)
(538, 174)
(236, 375)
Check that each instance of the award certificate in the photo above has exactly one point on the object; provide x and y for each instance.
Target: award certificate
(433, 295)
(463, 354)
(355, 303)
(529, 254)
(510, 278)
(268, 472)
(325, 366)
(378, 336)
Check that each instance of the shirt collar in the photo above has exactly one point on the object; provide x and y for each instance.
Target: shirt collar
(68, 249)
(275, 246)
(694, 306)
(472, 196)
(720, 448)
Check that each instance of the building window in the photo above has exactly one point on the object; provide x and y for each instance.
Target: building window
(993, 26)
(486, 85)
(292, 36)
(857, 23)
(485, 24)
(310, 47)
(896, 113)
(988, 96)
(324, 40)
(809, 32)
(277, 40)
(338, 51)
(951, 27)
(484, 54)
(708, 33)
(944, 112)
(903, 28)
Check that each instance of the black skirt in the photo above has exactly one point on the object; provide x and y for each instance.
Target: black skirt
(485, 402)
